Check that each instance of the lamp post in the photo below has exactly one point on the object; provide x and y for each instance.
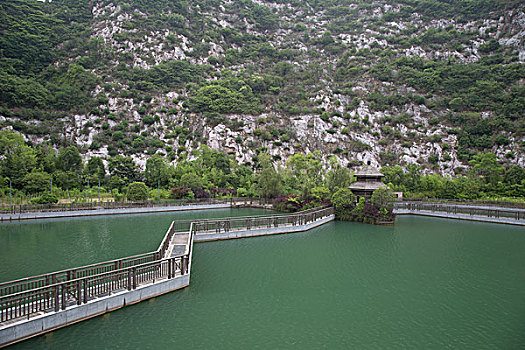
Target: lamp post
(10, 197)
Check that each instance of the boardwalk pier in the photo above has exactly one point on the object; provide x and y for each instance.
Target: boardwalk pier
(39, 304)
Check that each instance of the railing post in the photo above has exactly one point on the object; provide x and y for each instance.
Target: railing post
(55, 296)
(134, 278)
(63, 296)
(184, 265)
(84, 282)
(129, 279)
(170, 268)
(79, 293)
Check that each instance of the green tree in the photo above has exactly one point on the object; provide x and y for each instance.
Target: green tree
(514, 175)
(66, 179)
(137, 191)
(337, 177)
(46, 198)
(95, 169)
(486, 165)
(156, 171)
(36, 182)
(123, 168)
(191, 180)
(383, 198)
(344, 202)
(305, 171)
(19, 159)
(69, 160)
(269, 181)
(116, 183)
(46, 158)
(321, 193)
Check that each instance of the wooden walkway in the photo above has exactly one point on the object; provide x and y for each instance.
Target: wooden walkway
(35, 305)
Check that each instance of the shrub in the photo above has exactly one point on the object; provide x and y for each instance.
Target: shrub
(383, 198)
(201, 193)
(320, 193)
(344, 203)
(137, 191)
(287, 203)
(148, 120)
(46, 198)
(181, 192)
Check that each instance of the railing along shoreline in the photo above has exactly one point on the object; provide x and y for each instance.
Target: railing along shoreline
(458, 209)
(95, 205)
(50, 292)
(466, 202)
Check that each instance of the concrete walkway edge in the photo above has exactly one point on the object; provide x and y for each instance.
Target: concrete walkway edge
(97, 212)
(486, 219)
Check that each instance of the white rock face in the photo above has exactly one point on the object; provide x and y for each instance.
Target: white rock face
(358, 134)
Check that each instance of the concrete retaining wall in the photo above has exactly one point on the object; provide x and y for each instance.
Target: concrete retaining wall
(37, 325)
(204, 237)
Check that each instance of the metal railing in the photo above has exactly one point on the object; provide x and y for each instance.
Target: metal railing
(28, 283)
(498, 213)
(474, 202)
(42, 280)
(60, 207)
(184, 225)
(61, 295)
(58, 290)
(259, 222)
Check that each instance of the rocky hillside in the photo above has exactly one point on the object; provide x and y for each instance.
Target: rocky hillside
(390, 82)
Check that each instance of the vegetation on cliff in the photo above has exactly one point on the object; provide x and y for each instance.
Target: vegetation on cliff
(138, 88)
(29, 172)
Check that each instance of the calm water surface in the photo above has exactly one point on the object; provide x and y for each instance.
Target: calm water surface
(423, 284)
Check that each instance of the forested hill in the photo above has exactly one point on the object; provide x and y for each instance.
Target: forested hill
(403, 82)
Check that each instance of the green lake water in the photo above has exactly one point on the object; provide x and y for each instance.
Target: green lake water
(424, 283)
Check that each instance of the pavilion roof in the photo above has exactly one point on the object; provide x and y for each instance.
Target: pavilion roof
(369, 171)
